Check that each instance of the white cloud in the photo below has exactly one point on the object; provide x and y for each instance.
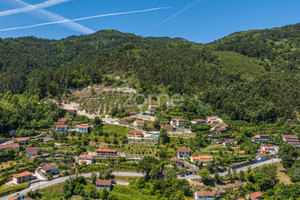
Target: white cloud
(83, 18)
(30, 8)
(41, 13)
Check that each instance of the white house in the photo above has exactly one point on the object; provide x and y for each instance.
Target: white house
(49, 169)
(205, 195)
(82, 128)
(22, 177)
(198, 121)
(139, 123)
(183, 152)
(178, 122)
(152, 108)
(87, 159)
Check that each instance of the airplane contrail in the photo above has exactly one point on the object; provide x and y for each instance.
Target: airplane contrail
(29, 8)
(84, 18)
(55, 17)
(174, 15)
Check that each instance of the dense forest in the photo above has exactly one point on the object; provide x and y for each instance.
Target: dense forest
(252, 75)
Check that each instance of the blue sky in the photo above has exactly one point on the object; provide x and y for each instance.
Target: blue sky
(199, 21)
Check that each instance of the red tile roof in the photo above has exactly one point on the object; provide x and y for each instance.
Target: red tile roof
(14, 145)
(20, 139)
(203, 158)
(106, 150)
(47, 166)
(62, 120)
(205, 193)
(176, 160)
(84, 156)
(140, 121)
(177, 119)
(82, 126)
(254, 194)
(153, 106)
(290, 136)
(135, 131)
(103, 182)
(31, 149)
(25, 173)
(198, 120)
(183, 149)
(61, 126)
(222, 128)
(261, 155)
(14, 198)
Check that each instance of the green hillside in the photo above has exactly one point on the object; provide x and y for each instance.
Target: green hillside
(252, 75)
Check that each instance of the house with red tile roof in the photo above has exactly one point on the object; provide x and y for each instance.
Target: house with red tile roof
(22, 177)
(289, 120)
(49, 169)
(228, 142)
(204, 159)
(139, 123)
(84, 158)
(61, 128)
(23, 140)
(260, 157)
(177, 161)
(19, 197)
(178, 122)
(106, 152)
(152, 108)
(260, 137)
(198, 121)
(292, 139)
(83, 128)
(31, 151)
(101, 184)
(183, 152)
(254, 196)
(221, 130)
(71, 112)
(205, 195)
(135, 134)
(14, 146)
(269, 149)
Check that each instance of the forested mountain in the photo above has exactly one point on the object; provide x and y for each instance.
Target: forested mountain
(262, 84)
(278, 45)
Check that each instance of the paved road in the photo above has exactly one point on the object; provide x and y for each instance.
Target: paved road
(274, 160)
(44, 184)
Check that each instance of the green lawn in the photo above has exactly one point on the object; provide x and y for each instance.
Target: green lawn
(119, 130)
(52, 192)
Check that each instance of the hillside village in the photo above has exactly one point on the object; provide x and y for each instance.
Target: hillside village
(58, 151)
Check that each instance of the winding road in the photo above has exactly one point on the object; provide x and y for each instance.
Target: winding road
(43, 184)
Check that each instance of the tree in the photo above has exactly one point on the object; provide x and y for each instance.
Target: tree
(294, 172)
(242, 175)
(204, 173)
(94, 177)
(288, 155)
(147, 164)
(163, 137)
(104, 193)
(170, 175)
(216, 177)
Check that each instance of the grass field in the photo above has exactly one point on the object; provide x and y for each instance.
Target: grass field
(282, 174)
(119, 130)
(52, 192)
